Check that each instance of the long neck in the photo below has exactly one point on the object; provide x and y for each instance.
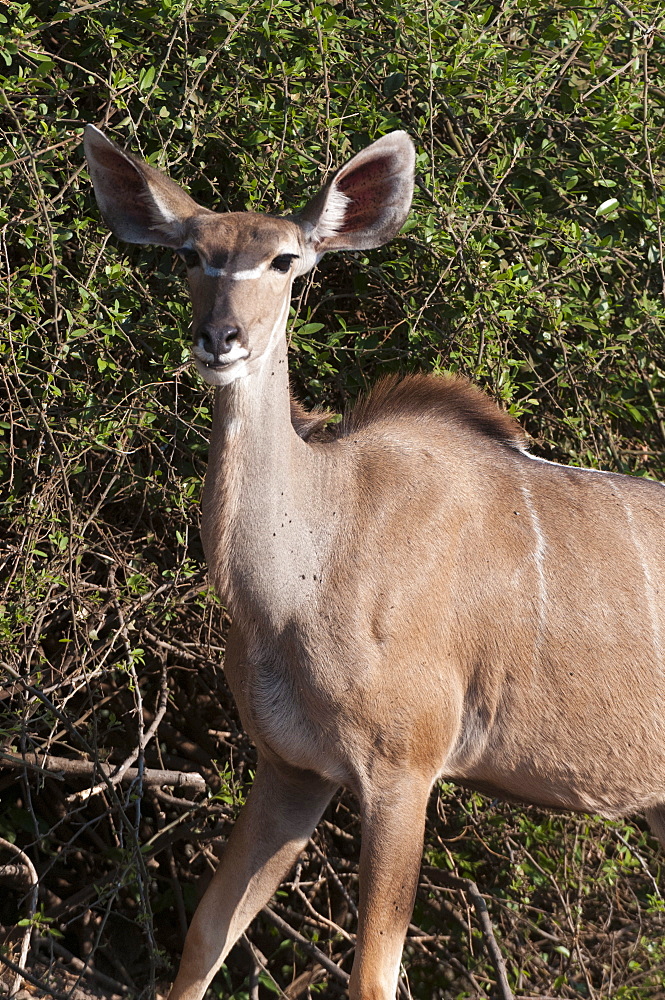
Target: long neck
(260, 494)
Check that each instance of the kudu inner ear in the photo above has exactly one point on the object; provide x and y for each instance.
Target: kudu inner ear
(367, 201)
(140, 204)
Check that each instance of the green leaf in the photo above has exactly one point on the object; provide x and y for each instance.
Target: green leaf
(607, 207)
(309, 328)
(146, 77)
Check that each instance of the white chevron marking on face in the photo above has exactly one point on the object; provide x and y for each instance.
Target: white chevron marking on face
(222, 272)
(254, 272)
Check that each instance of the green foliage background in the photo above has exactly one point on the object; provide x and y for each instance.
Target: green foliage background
(532, 262)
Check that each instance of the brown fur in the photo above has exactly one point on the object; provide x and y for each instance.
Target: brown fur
(447, 400)
(310, 424)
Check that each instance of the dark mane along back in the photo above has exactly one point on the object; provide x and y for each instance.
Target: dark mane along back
(447, 399)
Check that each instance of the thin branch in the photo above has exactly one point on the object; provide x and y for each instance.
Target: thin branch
(80, 967)
(307, 946)
(137, 753)
(40, 984)
(466, 885)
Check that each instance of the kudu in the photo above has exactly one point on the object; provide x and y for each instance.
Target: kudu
(418, 597)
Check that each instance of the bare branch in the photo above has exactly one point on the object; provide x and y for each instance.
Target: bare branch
(61, 768)
(39, 983)
(447, 881)
(82, 968)
(32, 906)
(307, 946)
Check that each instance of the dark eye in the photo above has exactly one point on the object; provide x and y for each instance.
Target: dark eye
(190, 257)
(283, 262)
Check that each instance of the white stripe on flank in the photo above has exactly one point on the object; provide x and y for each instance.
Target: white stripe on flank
(539, 559)
(581, 468)
(560, 465)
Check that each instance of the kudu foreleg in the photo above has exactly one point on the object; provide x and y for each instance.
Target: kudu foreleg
(273, 827)
(393, 825)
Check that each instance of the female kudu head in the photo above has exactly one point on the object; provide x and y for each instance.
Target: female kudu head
(241, 265)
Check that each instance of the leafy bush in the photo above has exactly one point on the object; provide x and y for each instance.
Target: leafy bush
(532, 262)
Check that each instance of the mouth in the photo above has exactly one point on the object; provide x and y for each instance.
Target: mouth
(204, 359)
(221, 371)
(218, 366)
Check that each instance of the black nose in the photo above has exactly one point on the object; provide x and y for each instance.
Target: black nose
(217, 340)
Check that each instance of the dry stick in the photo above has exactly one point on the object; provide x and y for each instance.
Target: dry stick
(607, 79)
(335, 877)
(259, 964)
(41, 152)
(466, 885)
(171, 648)
(642, 860)
(32, 906)
(12, 760)
(319, 919)
(466, 974)
(311, 949)
(56, 994)
(48, 944)
(36, 693)
(630, 15)
(254, 979)
(60, 768)
(300, 986)
(144, 739)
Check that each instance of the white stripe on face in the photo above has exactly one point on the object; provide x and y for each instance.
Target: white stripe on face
(214, 272)
(254, 272)
(279, 327)
(222, 272)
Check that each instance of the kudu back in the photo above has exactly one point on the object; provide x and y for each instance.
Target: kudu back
(418, 597)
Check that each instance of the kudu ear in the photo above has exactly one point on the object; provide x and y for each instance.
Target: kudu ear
(140, 204)
(367, 201)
